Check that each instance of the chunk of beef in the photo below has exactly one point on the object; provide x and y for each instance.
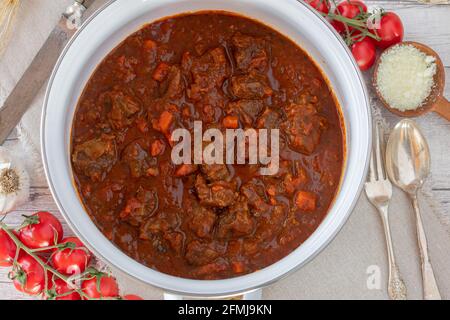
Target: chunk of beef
(175, 240)
(306, 201)
(174, 84)
(250, 52)
(291, 182)
(138, 159)
(250, 86)
(185, 170)
(202, 221)
(215, 172)
(124, 109)
(293, 176)
(124, 68)
(95, 158)
(303, 128)
(270, 119)
(200, 253)
(166, 122)
(106, 198)
(217, 194)
(271, 224)
(208, 72)
(236, 222)
(140, 207)
(256, 197)
(248, 110)
(161, 71)
(211, 270)
(158, 147)
(159, 224)
(251, 246)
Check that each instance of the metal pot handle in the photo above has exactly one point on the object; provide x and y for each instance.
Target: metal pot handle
(251, 295)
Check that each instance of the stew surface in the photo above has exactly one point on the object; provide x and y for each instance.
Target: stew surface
(206, 221)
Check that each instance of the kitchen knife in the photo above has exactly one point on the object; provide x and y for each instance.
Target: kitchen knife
(39, 71)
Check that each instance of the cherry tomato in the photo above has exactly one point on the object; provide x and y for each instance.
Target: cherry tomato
(105, 288)
(7, 250)
(351, 8)
(42, 230)
(364, 52)
(61, 288)
(132, 297)
(30, 276)
(319, 5)
(338, 26)
(390, 31)
(71, 260)
(348, 9)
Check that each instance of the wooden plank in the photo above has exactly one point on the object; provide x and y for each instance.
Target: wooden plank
(40, 197)
(442, 197)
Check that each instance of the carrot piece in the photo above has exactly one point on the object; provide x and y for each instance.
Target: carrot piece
(238, 267)
(165, 120)
(186, 112)
(142, 125)
(157, 148)
(161, 72)
(132, 204)
(293, 183)
(152, 172)
(149, 45)
(185, 169)
(231, 122)
(272, 190)
(305, 201)
(121, 60)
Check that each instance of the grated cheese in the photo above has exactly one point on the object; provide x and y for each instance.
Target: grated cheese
(405, 77)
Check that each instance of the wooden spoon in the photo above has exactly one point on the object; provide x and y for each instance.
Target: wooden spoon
(436, 101)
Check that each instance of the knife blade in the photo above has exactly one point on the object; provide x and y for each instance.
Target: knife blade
(37, 74)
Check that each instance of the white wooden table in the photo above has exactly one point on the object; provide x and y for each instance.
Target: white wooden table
(429, 24)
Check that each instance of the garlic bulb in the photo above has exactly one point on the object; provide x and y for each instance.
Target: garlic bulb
(14, 182)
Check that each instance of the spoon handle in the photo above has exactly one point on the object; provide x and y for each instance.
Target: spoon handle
(430, 288)
(396, 286)
(442, 107)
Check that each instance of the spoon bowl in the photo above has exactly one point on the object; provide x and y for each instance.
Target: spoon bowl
(407, 157)
(435, 101)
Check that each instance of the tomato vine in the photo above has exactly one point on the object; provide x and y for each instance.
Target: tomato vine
(34, 269)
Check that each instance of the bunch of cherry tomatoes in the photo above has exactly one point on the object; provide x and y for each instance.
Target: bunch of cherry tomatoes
(362, 31)
(44, 263)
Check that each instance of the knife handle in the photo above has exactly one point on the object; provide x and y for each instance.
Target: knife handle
(85, 3)
(75, 12)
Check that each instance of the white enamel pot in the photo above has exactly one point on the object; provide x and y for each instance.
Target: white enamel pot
(120, 18)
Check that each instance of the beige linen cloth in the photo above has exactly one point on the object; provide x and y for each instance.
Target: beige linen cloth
(347, 269)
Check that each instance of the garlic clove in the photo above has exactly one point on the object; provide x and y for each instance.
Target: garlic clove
(14, 182)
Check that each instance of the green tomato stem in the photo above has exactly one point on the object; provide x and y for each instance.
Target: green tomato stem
(46, 267)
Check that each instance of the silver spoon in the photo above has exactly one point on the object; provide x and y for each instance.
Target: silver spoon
(408, 164)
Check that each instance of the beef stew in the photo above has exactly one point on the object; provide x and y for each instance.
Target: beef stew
(206, 221)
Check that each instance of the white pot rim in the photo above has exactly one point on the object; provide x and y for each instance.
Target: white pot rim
(56, 159)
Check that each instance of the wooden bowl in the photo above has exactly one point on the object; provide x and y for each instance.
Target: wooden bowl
(436, 101)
